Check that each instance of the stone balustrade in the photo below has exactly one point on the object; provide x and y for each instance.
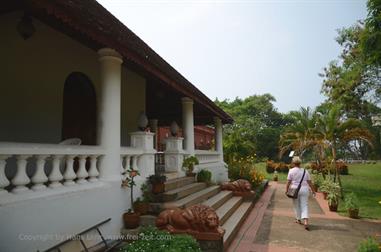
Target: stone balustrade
(28, 167)
(205, 156)
(129, 159)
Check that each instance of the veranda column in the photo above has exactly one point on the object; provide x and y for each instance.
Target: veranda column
(188, 125)
(109, 113)
(218, 137)
(153, 124)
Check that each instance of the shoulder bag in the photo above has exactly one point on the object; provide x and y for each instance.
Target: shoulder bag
(293, 192)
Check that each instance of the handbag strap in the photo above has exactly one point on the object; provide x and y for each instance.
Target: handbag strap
(300, 183)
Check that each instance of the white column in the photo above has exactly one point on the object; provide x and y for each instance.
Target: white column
(55, 175)
(21, 179)
(153, 124)
(39, 177)
(93, 171)
(109, 113)
(146, 162)
(218, 137)
(4, 182)
(82, 173)
(188, 125)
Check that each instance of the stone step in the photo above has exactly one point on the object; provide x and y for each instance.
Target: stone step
(171, 175)
(228, 208)
(194, 198)
(217, 200)
(178, 182)
(234, 222)
(183, 191)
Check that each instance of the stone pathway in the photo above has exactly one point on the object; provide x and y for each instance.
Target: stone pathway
(270, 227)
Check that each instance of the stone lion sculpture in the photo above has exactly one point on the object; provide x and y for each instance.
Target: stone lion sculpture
(240, 185)
(200, 221)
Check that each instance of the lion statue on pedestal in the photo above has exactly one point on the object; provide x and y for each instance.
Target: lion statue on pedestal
(240, 185)
(200, 221)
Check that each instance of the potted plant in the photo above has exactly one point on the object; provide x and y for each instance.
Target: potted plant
(317, 180)
(333, 201)
(204, 176)
(333, 193)
(142, 205)
(275, 176)
(131, 219)
(157, 181)
(352, 205)
(328, 186)
(189, 163)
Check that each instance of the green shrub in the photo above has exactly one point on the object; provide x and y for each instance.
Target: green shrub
(351, 201)
(152, 239)
(368, 245)
(244, 168)
(317, 179)
(204, 176)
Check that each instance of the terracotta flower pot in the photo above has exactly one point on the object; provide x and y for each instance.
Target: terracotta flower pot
(158, 188)
(353, 213)
(131, 220)
(141, 207)
(333, 207)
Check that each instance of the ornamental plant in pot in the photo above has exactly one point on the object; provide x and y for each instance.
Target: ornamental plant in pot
(131, 219)
(188, 165)
(157, 182)
(142, 205)
(204, 176)
(328, 186)
(352, 205)
(317, 180)
(333, 201)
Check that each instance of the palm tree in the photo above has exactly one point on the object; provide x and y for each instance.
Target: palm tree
(334, 131)
(300, 136)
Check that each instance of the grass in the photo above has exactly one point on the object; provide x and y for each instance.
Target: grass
(364, 180)
(261, 167)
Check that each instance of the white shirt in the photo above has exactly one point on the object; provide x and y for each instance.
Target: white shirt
(295, 175)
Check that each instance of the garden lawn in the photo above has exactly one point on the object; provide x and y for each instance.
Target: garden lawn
(365, 181)
(261, 167)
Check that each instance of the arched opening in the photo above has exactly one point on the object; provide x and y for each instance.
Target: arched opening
(79, 118)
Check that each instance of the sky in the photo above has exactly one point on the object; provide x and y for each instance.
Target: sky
(230, 49)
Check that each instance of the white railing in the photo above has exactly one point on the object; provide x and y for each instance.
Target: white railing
(205, 156)
(37, 167)
(129, 159)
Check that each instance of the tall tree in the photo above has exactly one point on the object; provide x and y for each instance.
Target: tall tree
(256, 129)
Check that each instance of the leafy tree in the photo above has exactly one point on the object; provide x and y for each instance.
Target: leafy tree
(370, 42)
(256, 128)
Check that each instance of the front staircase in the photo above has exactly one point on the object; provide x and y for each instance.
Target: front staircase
(185, 191)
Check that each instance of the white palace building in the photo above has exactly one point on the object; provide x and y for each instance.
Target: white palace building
(75, 80)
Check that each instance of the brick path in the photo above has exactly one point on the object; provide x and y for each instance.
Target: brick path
(270, 227)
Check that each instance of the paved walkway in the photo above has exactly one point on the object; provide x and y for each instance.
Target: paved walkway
(270, 227)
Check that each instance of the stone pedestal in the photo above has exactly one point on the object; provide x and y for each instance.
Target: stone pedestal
(146, 162)
(174, 155)
(212, 246)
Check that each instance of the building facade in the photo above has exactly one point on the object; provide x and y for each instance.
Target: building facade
(75, 81)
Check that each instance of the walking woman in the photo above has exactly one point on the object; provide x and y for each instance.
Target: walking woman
(294, 177)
